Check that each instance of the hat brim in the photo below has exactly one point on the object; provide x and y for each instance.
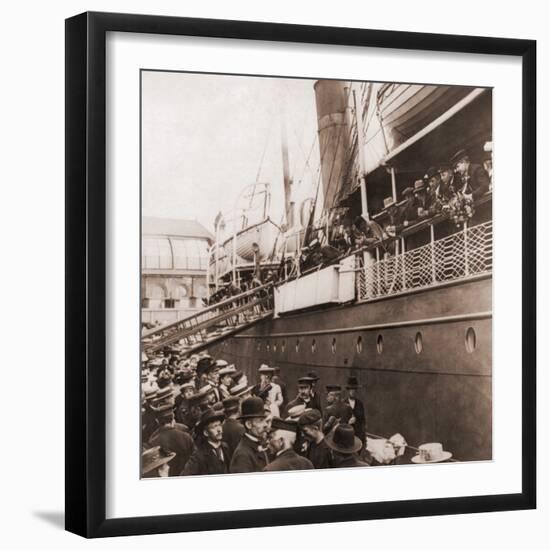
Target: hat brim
(329, 440)
(158, 463)
(256, 415)
(214, 418)
(445, 455)
(242, 392)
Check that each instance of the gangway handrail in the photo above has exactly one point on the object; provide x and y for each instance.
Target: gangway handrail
(208, 309)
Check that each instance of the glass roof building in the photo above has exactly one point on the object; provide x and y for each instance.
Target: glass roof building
(174, 256)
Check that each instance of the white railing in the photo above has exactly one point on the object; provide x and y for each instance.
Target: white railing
(462, 255)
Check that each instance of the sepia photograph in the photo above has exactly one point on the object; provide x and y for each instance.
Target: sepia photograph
(316, 274)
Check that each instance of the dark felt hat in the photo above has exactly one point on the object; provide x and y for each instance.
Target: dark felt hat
(208, 416)
(313, 375)
(343, 439)
(252, 407)
(287, 425)
(306, 380)
(230, 404)
(459, 155)
(333, 387)
(353, 383)
(431, 172)
(309, 417)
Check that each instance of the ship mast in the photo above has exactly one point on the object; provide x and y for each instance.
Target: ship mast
(361, 155)
(287, 180)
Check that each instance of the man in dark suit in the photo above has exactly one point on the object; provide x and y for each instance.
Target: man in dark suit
(344, 445)
(318, 452)
(337, 411)
(474, 179)
(250, 454)
(358, 420)
(211, 455)
(281, 442)
(305, 395)
(172, 439)
(233, 430)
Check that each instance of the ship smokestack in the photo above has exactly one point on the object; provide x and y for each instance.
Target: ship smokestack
(331, 97)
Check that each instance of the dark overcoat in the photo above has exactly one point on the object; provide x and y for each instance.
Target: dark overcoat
(289, 460)
(249, 456)
(174, 440)
(233, 430)
(205, 461)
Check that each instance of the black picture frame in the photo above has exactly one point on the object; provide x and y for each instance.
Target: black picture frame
(86, 273)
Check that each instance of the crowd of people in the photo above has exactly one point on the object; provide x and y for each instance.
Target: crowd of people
(202, 416)
(450, 189)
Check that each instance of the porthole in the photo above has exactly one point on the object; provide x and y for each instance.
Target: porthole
(418, 344)
(333, 345)
(313, 345)
(380, 344)
(471, 340)
(297, 345)
(359, 344)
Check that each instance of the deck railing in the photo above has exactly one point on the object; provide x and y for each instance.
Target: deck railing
(464, 254)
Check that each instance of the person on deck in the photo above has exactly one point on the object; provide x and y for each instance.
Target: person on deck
(473, 178)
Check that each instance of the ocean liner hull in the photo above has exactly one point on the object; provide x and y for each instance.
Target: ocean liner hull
(423, 358)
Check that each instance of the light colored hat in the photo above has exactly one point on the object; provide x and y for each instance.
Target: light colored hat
(229, 369)
(266, 369)
(154, 458)
(296, 411)
(221, 363)
(431, 452)
(388, 201)
(240, 389)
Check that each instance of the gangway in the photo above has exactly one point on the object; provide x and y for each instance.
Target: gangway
(212, 323)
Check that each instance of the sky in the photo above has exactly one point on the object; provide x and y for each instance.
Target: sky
(204, 137)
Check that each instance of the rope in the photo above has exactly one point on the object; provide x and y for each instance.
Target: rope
(416, 449)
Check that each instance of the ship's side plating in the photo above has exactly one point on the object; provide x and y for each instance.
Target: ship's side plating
(424, 360)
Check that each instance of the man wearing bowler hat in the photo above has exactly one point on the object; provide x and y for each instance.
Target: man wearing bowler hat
(250, 454)
(233, 430)
(310, 423)
(474, 178)
(281, 442)
(211, 455)
(344, 446)
(358, 420)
